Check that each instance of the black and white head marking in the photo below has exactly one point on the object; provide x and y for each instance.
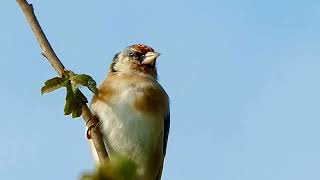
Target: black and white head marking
(114, 61)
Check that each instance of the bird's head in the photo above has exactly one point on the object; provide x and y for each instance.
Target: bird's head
(137, 58)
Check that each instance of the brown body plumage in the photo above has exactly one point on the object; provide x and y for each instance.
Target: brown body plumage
(134, 110)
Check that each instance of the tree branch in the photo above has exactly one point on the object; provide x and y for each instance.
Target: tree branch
(51, 56)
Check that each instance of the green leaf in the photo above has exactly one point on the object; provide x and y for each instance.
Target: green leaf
(120, 168)
(85, 80)
(77, 111)
(81, 79)
(70, 101)
(80, 101)
(75, 100)
(54, 84)
(92, 85)
(79, 96)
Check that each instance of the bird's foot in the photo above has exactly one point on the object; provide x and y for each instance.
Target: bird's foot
(93, 122)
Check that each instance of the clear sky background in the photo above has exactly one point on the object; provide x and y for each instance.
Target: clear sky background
(243, 77)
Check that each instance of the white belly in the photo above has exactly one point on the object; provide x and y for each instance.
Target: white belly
(129, 133)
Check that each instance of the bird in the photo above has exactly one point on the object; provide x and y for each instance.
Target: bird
(133, 110)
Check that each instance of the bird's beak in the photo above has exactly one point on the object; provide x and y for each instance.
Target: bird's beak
(150, 58)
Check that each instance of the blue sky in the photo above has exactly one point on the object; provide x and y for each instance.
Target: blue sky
(243, 77)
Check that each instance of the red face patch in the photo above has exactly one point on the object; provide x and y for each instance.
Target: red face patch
(142, 48)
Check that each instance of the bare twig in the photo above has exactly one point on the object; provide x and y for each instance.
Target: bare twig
(51, 56)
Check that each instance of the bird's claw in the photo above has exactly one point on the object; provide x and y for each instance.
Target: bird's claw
(93, 122)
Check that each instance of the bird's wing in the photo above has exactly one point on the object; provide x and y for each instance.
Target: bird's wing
(166, 132)
(165, 141)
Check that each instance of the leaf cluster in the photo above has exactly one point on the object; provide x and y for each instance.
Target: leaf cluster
(120, 168)
(75, 99)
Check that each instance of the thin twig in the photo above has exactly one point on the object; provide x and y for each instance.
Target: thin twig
(51, 56)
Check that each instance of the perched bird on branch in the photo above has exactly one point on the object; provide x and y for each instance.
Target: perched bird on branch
(133, 110)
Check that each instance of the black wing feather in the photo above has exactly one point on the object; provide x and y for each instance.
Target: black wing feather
(165, 141)
(166, 133)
